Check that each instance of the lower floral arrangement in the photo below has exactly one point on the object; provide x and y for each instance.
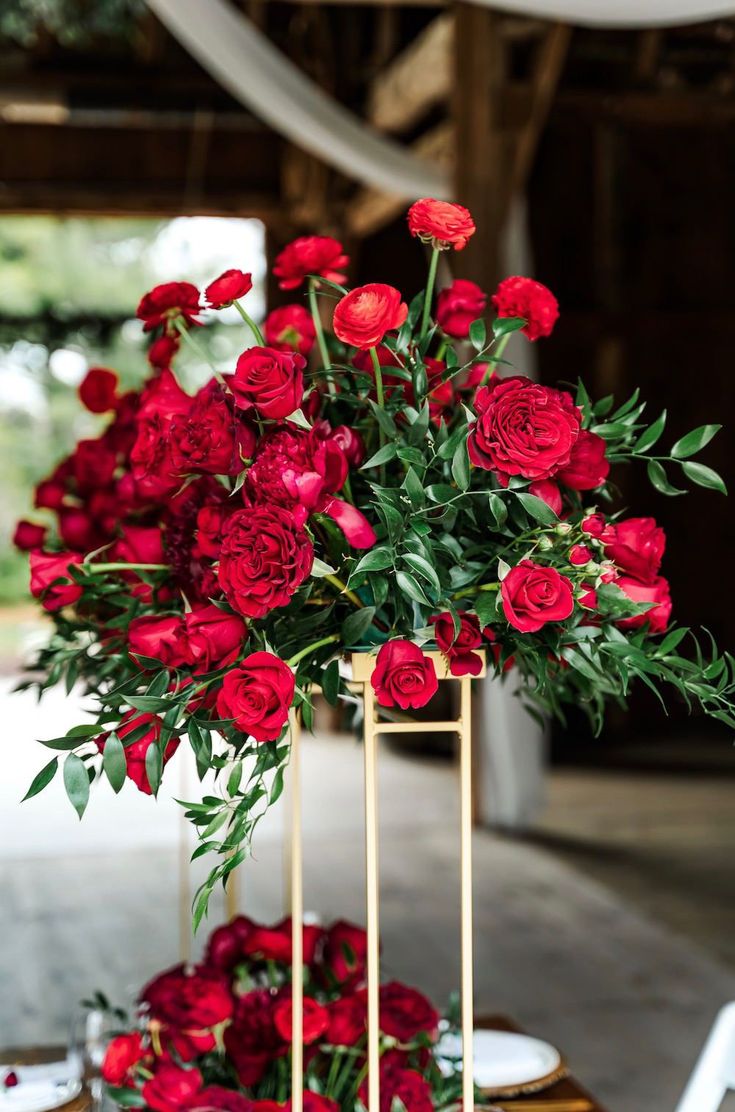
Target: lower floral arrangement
(218, 1035)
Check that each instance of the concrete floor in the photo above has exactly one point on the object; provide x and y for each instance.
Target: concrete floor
(609, 934)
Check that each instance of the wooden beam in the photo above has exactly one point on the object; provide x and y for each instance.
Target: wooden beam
(552, 56)
(419, 78)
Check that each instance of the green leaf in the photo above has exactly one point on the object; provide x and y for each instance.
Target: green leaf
(694, 441)
(648, 438)
(114, 762)
(319, 569)
(478, 334)
(537, 508)
(126, 1098)
(414, 488)
(423, 568)
(658, 479)
(461, 466)
(704, 476)
(410, 588)
(154, 767)
(383, 455)
(485, 606)
(42, 778)
(384, 419)
(76, 782)
(377, 559)
(357, 624)
(498, 509)
(503, 325)
(330, 683)
(441, 493)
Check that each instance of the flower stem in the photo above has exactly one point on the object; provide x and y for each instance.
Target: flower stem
(497, 356)
(125, 567)
(381, 402)
(345, 590)
(313, 647)
(320, 337)
(469, 591)
(198, 351)
(250, 323)
(429, 294)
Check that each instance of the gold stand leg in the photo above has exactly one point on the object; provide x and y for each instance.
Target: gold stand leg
(297, 920)
(184, 868)
(372, 875)
(465, 765)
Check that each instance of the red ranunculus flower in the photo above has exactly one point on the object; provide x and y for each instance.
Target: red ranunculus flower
(345, 953)
(403, 675)
(443, 223)
(458, 647)
(98, 390)
(258, 695)
(405, 1012)
(321, 256)
(225, 945)
(50, 580)
(252, 1041)
(122, 1055)
(264, 559)
(168, 303)
(526, 298)
(214, 638)
(364, 315)
(290, 328)
(229, 287)
(548, 492)
(171, 1087)
(162, 351)
(534, 595)
(210, 438)
(347, 1019)
(189, 1001)
(458, 306)
(214, 1098)
(523, 428)
(588, 466)
(636, 545)
(316, 1018)
(136, 751)
(161, 637)
(656, 592)
(28, 535)
(268, 380)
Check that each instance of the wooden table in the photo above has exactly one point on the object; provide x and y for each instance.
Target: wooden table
(32, 1056)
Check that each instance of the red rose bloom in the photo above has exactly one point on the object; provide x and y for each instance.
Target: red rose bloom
(139, 544)
(656, 592)
(209, 438)
(258, 695)
(321, 256)
(150, 458)
(636, 546)
(209, 525)
(216, 1097)
(49, 494)
(168, 303)
(458, 306)
(271, 381)
(93, 464)
(136, 751)
(315, 1019)
(28, 535)
(400, 1087)
(264, 559)
(345, 953)
(458, 647)
(77, 530)
(442, 223)
(548, 492)
(162, 351)
(364, 315)
(50, 580)
(523, 297)
(171, 1087)
(252, 1041)
(347, 1019)
(122, 1055)
(161, 638)
(290, 328)
(229, 287)
(405, 1012)
(225, 945)
(214, 638)
(534, 595)
(98, 390)
(403, 675)
(523, 429)
(275, 943)
(189, 1001)
(588, 467)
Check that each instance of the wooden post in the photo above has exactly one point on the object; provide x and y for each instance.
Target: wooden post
(372, 896)
(467, 943)
(297, 922)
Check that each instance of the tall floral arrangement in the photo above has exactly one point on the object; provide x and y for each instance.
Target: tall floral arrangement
(385, 484)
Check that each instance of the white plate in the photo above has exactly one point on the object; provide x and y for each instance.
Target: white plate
(39, 1096)
(502, 1059)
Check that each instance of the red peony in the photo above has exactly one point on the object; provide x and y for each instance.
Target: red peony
(122, 1055)
(297, 470)
(264, 559)
(171, 1087)
(268, 380)
(315, 1019)
(405, 1012)
(257, 695)
(98, 390)
(159, 637)
(588, 466)
(214, 638)
(28, 535)
(534, 595)
(350, 442)
(403, 676)
(655, 592)
(441, 223)
(457, 647)
(209, 437)
(320, 256)
(290, 328)
(364, 315)
(50, 579)
(162, 351)
(523, 429)
(345, 953)
(229, 287)
(636, 546)
(458, 306)
(168, 303)
(147, 728)
(523, 297)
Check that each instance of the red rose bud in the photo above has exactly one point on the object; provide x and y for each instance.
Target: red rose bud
(122, 1055)
(588, 598)
(636, 546)
(49, 494)
(264, 559)
(98, 390)
(171, 1087)
(320, 256)
(526, 298)
(442, 223)
(214, 638)
(162, 638)
(271, 381)
(50, 580)
(458, 306)
(257, 695)
(655, 592)
(10, 1080)
(587, 468)
(162, 351)
(548, 492)
(364, 315)
(77, 530)
(315, 1019)
(580, 554)
(594, 525)
(403, 676)
(405, 1012)
(345, 953)
(136, 751)
(229, 287)
(168, 303)
(523, 428)
(28, 535)
(458, 648)
(533, 595)
(290, 328)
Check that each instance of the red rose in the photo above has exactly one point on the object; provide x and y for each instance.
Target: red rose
(534, 595)
(523, 297)
(595, 525)
(458, 306)
(94, 464)
(548, 492)
(159, 637)
(290, 328)
(258, 695)
(271, 381)
(523, 429)
(364, 315)
(171, 1087)
(347, 1019)
(216, 1097)
(149, 726)
(98, 390)
(588, 598)
(345, 953)
(209, 525)
(400, 1087)
(587, 468)
(315, 1102)
(403, 675)
(209, 437)
(150, 458)
(139, 544)
(162, 351)
(77, 530)
(49, 494)
(275, 943)
(214, 638)
(458, 647)
(225, 945)
(405, 1012)
(321, 256)
(264, 559)
(229, 287)
(50, 580)
(28, 535)
(189, 1001)
(636, 545)
(656, 592)
(442, 223)
(315, 1019)
(252, 1041)
(168, 303)
(580, 554)
(122, 1054)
